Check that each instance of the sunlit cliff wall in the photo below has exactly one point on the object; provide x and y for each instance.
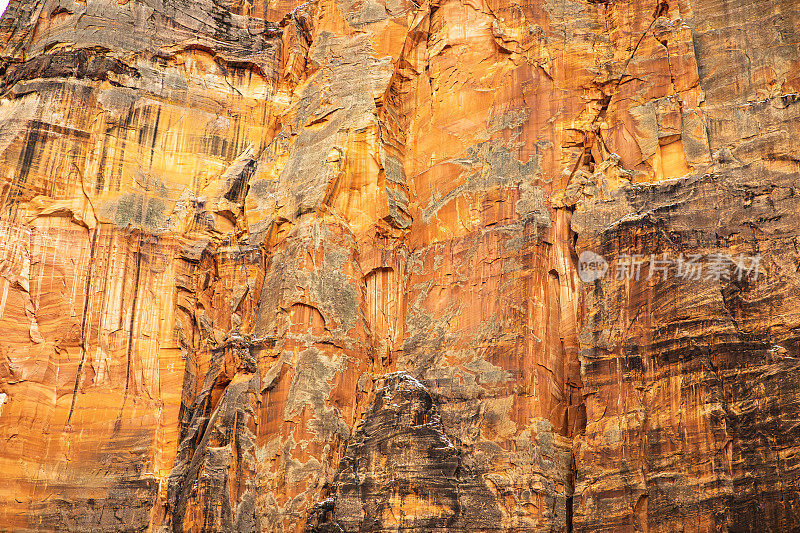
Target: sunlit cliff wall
(282, 267)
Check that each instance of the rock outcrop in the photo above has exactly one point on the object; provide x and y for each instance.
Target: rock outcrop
(320, 266)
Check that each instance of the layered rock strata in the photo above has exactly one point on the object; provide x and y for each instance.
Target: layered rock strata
(315, 267)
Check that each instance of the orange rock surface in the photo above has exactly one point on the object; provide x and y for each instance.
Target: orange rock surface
(315, 267)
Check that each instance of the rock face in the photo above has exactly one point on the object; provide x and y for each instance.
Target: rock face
(320, 267)
(428, 486)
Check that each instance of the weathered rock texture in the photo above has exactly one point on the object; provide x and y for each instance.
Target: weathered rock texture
(282, 267)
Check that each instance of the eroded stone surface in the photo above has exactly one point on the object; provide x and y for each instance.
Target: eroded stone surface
(313, 266)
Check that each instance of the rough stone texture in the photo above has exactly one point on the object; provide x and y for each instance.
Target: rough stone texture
(314, 267)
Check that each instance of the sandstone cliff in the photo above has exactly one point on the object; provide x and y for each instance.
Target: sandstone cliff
(272, 266)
